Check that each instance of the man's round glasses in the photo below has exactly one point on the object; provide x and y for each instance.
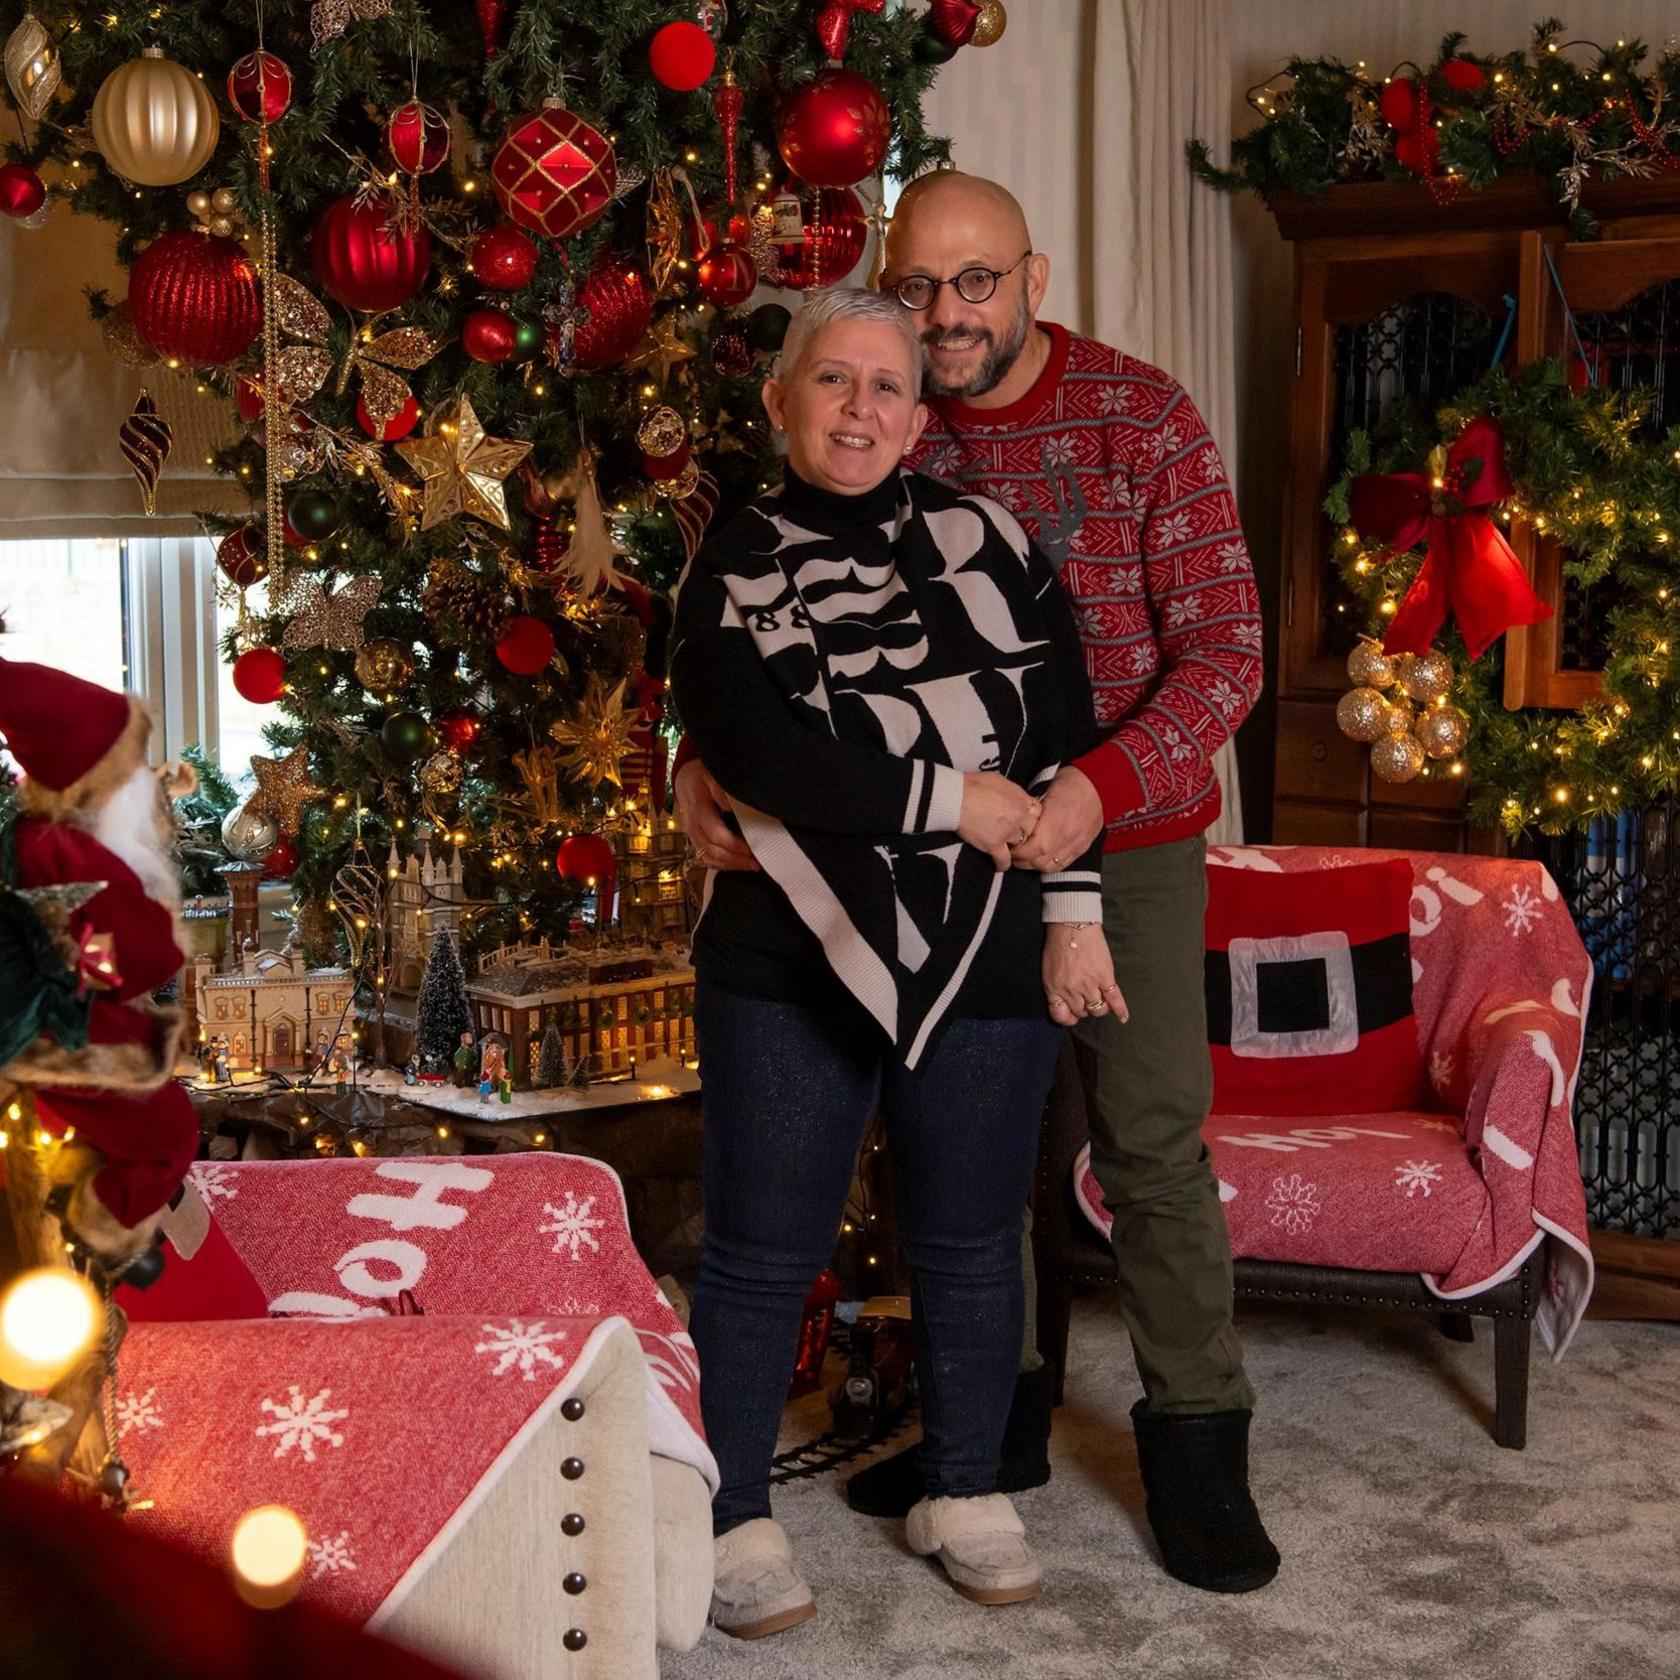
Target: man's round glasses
(974, 285)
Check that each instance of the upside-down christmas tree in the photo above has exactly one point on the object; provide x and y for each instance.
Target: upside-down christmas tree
(480, 283)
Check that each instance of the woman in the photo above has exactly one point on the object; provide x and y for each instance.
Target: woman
(878, 671)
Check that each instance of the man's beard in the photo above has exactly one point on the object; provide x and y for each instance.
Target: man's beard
(995, 365)
(132, 823)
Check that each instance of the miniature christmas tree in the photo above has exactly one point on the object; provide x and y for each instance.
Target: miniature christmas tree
(443, 1013)
(551, 1060)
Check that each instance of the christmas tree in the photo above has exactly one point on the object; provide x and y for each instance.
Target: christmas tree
(551, 1059)
(479, 282)
(442, 1013)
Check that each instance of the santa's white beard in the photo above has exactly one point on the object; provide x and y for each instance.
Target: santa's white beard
(134, 825)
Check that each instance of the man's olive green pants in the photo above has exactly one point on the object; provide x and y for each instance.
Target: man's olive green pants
(1148, 1086)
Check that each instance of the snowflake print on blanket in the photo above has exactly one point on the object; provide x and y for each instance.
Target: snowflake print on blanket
(213, 1179)
(1522, 908)
(301, 1423)
(137, 1411)
(573, 1226)
(1413, 1176)
(330, 1555)
(1294, 1204)
(1440, 1070)
(521, 1345)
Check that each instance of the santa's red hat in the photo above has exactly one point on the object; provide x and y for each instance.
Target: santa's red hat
(71, 738)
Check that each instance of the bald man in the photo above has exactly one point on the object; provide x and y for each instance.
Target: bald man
(1109, 467)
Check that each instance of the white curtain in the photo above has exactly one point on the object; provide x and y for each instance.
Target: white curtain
(1159, 241)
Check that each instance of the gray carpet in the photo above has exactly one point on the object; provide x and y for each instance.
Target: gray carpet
(1413, 1546)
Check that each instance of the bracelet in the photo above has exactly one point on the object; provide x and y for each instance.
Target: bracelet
(1077, 927)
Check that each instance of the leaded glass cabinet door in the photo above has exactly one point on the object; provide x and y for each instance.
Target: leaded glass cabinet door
(1624, 293)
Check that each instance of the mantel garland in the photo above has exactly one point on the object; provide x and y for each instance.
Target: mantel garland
(1588, 472)
(1573, 111)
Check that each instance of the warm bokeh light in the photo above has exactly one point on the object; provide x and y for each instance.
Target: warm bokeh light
(49, 1317)
(269, 1549)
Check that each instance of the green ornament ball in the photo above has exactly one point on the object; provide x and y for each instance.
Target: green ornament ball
(406, 736)
(313, 514)
(767, 326)
(929, 49)
(528, 339)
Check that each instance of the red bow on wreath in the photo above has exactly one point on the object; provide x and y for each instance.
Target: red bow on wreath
(1469, 569)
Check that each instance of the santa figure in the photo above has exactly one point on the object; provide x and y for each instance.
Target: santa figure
(94, 812)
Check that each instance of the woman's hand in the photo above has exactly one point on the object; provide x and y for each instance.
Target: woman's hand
(1079, 973)
(702, 805)
(996, 814)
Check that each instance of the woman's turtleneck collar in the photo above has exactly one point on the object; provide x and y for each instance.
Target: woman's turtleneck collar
(833, 514)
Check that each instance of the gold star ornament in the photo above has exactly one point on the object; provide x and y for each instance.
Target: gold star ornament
(284, 788)
(661, 351)
(594, 742)
(463, 466)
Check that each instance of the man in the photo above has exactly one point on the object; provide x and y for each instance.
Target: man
(1109, 467)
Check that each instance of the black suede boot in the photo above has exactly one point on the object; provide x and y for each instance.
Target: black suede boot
(890, 1488)
(1195, 1476)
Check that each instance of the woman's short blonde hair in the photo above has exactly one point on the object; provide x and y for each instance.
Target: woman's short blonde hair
(847, 303)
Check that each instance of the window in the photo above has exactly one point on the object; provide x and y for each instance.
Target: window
(142, 613)
(63, 601)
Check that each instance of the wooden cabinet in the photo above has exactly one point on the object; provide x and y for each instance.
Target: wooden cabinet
(1398, 298)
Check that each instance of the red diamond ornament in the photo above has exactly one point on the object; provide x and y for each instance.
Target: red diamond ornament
(554, 173)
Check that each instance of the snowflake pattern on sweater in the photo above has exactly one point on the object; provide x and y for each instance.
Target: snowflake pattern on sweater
(1110, 468)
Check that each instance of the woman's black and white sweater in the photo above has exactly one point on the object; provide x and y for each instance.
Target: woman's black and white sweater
(839, 662)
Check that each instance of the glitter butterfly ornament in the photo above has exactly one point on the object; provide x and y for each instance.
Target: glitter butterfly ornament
(329, 621)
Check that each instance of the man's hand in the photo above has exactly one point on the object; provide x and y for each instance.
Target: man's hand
(701, 804)
(1071, 819)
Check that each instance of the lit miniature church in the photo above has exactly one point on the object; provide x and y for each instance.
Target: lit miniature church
(426, 894)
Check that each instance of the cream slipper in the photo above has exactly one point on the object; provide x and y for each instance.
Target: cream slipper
(981, 1544)
(757, 1588)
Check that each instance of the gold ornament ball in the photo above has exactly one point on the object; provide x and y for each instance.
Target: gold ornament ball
(1427, 678)
(223, 202)
(383, 665)
(222, 227)
(990, 25)
(661, 432)
(441, 774)
(1369, 666)
(198, 203)
(1397, 758)
(1443, 730)
(1362, 713)
(155, 121)
(684, 484)
(1400, 716)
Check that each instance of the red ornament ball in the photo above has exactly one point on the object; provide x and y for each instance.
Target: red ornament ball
(398, 426)
(22, 191)
(726, 274)
(503, 258)
(457, 731)
(952, 21)
(666, 466)
(243, 559)
(248, 398)
(681, 56)
(620, 311)
(554, 173)
(280, 863)
(487, 335)
(418, 137)
(587, 858)
(195, 298)
(259, 88)
(525, 645)
(1402, 102)
(1463, 75)
(363, 261)
(833, 232)
(259, 675)
(834, 131)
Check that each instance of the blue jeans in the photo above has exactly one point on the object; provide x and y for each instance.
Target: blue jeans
(787, 1094)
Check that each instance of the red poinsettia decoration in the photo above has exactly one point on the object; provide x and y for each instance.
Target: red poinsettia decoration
(1469, 570)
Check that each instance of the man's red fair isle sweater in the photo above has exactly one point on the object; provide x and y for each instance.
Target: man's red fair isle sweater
(1110, 469)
